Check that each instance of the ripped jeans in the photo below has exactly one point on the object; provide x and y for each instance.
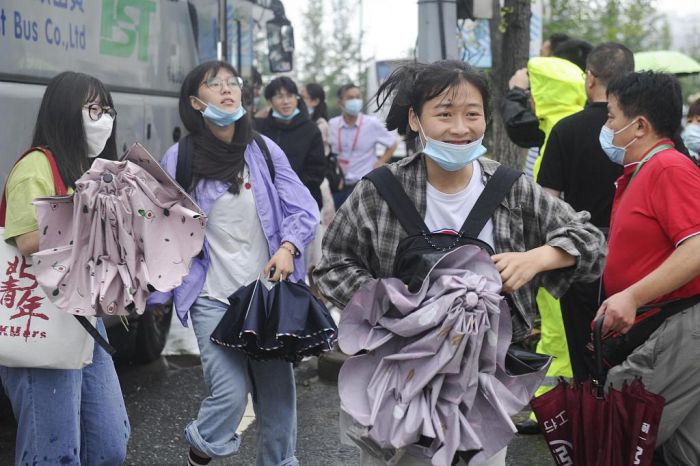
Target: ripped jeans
(229, 376)
(68, 417)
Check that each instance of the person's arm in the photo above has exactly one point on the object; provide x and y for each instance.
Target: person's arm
(680, 268)
(521, 123)
(348, 250)
(564, 247)
(386, 157)
(28, 243)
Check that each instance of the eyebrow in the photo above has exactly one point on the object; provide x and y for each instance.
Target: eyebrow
(449, 105)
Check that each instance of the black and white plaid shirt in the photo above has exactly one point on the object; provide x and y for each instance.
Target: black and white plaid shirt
(361, 242)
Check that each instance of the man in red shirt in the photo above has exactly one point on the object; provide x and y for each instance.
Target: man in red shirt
(654, 252)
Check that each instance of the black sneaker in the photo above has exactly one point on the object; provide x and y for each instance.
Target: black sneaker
(528, 427)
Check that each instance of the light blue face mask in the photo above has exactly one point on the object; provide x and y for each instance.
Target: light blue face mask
(289, 117)
(452, 157)
(220, 117)
(353, 107)
(615, 154)
(691, 137)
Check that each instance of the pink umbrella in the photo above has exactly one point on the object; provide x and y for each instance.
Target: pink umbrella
(127, 230)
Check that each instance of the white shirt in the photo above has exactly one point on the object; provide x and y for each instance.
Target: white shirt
(446, 213)
(238, 248)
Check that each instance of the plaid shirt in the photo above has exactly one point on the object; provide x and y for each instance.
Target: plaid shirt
(361, 242)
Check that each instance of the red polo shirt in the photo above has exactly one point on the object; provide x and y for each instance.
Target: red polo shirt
(651, 215)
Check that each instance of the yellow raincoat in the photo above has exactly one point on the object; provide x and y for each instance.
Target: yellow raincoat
(558, 90)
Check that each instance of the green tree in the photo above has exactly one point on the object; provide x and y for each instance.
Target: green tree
(313, 61)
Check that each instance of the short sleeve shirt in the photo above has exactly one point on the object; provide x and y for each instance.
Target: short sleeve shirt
(29, 179)
(356, 145)
(652, 214)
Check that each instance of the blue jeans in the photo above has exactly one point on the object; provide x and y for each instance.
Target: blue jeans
(229, 376)
(69, 417)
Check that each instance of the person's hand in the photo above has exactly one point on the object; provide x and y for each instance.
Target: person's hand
(516, 268)
(520, 79)
(282, 263)
(620, 311)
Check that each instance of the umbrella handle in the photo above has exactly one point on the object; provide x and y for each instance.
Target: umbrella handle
(599, 381)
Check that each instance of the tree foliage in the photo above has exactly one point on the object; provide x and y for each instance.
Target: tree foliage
(635, 23)
(332, 55)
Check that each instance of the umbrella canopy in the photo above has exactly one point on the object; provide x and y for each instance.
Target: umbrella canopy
(667, 61)
(585, 426)
(284, 322)
(129, 229)
(431, 377)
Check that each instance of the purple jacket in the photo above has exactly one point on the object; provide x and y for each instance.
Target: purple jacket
(286, 209)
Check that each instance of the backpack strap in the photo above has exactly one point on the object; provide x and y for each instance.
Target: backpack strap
(260, 141)
(58, 183)
(399, 203)
(497, 188)
(183, 170)
(185, 151)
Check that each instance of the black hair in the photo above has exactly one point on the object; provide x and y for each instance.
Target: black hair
(655, 96)
(574, 50)
(694, 109)
(315, 91)
(609, 60)
(191, 118)
(344, 88)
(59, 125)
(288, 84)
(557, 38)
(414, 84)
(255, 77)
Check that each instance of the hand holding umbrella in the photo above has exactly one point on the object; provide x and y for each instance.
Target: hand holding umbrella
(281, 265)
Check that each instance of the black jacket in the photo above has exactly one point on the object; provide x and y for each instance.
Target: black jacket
(521, 123)
(301, 140)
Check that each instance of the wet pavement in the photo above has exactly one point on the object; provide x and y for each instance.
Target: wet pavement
(164, 396)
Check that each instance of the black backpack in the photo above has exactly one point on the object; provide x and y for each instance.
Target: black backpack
(421, 249)
(185, 151)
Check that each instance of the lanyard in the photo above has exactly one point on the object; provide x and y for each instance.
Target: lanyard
(357, 136)
(646, 159)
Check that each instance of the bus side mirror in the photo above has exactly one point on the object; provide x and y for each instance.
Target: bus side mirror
(280, 45)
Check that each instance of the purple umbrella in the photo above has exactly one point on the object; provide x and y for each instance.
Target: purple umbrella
(432, 380)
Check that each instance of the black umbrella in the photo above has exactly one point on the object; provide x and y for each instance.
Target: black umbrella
(284, 322)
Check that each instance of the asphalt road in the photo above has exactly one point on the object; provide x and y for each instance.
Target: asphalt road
(163, 397)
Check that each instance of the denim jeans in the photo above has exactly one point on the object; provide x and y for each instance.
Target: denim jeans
(229, 376)
(69, 417)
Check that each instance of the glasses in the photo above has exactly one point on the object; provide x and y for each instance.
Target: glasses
(216, 84)
(96, 111)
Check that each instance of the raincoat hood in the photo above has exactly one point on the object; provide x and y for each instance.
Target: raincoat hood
(558, 89)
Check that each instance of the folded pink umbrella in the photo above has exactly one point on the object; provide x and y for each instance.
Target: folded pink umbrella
(127, 230)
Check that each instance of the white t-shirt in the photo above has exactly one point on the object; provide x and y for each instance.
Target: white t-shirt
(446, 213)
(238, 247)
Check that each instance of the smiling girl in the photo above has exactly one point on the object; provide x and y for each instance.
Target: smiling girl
(539, 240)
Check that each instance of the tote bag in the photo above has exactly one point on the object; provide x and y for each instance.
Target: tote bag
(33, 332)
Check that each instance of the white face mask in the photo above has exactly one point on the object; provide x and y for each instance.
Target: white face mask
(97, 132)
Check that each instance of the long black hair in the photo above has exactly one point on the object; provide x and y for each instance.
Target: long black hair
(288, 84)
(59, 124)
(213, 158)
(315, 91)
(412, 85)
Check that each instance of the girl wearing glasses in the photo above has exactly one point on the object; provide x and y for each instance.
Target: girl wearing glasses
(256, 224)
(64, 416)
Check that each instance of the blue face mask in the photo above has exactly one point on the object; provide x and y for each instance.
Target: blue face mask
(353, 107)
(615, 154)
(691, 137)
(220, 117)
(289, 117)
(452, 157)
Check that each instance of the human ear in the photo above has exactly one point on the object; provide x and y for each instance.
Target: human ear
(196, 104)
(413, 120)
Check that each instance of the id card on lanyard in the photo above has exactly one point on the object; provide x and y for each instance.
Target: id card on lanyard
(342, 159)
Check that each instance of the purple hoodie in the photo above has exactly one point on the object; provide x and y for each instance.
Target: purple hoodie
(286, 209)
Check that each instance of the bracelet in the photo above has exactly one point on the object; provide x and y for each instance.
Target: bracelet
(291, 249)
